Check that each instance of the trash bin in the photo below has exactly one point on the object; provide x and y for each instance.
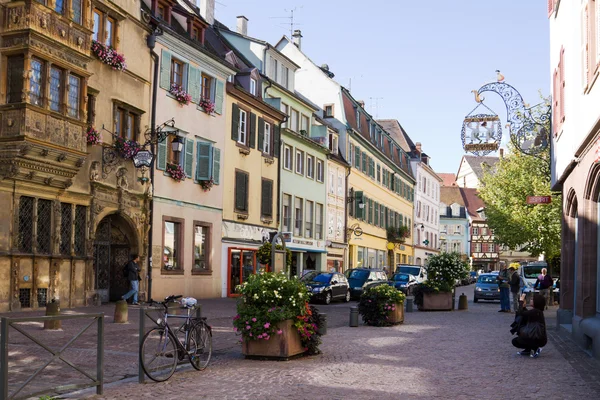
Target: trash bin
(462, 302)
(53, 309)
(354, 316)
(409, 303)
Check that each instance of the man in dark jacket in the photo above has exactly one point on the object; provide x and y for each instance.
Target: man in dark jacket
(544, 282)
(133, 273)
(515, 287)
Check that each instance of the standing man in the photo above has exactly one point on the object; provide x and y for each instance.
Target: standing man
(133, 275)
(515, 286)
(503, 283)
(544, 283)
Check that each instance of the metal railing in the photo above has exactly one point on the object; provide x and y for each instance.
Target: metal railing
(7, 322)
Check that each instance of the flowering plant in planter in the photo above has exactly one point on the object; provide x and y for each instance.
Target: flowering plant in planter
(208, 105)
(176, 172)
(207, 184)
(126, 148)
(444, 269)
(378, 302)
(108, 56)
(181, 95)
(397, 235)
(270, 298)
(93, 136)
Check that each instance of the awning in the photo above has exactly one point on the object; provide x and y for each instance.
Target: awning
(305, 250)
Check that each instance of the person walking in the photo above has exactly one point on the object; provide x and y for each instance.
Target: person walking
(532, 327)
(133, 275)
(503, 283)
(515, 287)
(544, 283)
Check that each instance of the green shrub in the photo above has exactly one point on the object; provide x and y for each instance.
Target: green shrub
(444, 269)
(376, 303)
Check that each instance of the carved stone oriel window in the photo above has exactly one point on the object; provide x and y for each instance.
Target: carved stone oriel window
(44, 226)
(26, 224)
(14, 82)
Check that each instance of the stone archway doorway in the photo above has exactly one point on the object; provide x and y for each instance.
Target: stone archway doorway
(113, 246)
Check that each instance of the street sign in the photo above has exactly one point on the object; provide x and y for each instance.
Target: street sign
(539, 199)
(286, 236)
(143, 158)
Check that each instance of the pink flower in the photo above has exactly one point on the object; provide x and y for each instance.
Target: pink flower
(260, 336)
(253, 319)
(267, 337)
(248, 327)
(267, 325)
(250, 333)
(279, 332)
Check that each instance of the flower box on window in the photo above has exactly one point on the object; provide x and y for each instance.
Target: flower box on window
(207, 184)
(207, 105)
(181, 95)
(93, 136)
(108, 56)
(126, 148)
(176, 172)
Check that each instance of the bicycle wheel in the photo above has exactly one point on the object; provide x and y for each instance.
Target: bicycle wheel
(158, 354)
(200, 346)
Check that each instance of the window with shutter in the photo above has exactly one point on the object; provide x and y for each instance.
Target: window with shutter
(216, 169)
(266, 198)
(376, 214)
(161, 159)
(364, 163)
(241, 191)
(194, 83)
(252, 131)
(235, 121)
(219, 88)
(189, 157)
(261, 134)
(203, 161)
(357, 158)
(165, 70)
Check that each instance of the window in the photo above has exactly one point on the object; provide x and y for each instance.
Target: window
(241, 191)
(333, 144)
(73, 96)
(195, 34)
(55, 88)
(310, 167)
(59, 6)
(357, 112)
(304, 123)
(308, 226)
(492, 247)
(299, 216)
(201, 247)
(173, 157)
(274, 65)
(328, 110)
(284, 76)
(80, 230)
(267, 139)
(66, 228)
(36, 82)
(176, 72)
(294, 116)
(97, 26)
(104, 28)
(331, 181)
(242, 129)
(172, 244)
(266, 198)
(287, 210)
(14, 86)
(26, 224)
(475, 231)
(379, 175)
(300, 162)
(127, 124)
(320, 170)
(319, 222)
(477, 247)
(287, 157)
(44, 226)
(286, 110)
(253, 87)
(110, 32)
(206, 87)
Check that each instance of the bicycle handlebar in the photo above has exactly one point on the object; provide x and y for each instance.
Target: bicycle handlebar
(167, 300)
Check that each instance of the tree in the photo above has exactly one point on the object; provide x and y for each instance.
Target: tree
(518, 225)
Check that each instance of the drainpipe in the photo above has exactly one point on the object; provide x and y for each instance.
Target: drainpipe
(279, 173)
(346, 239)
(151, 42)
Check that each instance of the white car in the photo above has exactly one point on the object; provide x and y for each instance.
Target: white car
(417, 271)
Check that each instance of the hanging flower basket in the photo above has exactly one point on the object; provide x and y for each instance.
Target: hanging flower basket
(207, 105)
(181, 95)
(207, 184)
(108, 56)
(398, 235)
(176, 172)
(126, 148)
(93, 136)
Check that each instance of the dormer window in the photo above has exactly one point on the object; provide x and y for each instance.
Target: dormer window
(195, 34)
(328, 110)
(274, 66)
(253, 87)
(333, 143)
(357, 111)
(284, 76)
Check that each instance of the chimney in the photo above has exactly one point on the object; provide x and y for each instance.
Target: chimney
(297, 38)
(242, 25)
(207, 10)
(361, 103)
(501, 153)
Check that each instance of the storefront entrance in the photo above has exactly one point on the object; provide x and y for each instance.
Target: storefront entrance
(242, 264)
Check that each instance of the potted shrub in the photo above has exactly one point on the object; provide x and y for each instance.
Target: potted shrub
(382, 305)
(442, 272)
(274, 317)
(263, 255)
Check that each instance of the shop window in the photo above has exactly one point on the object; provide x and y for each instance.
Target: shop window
(172, 245)
(242, 264)
(202, 249)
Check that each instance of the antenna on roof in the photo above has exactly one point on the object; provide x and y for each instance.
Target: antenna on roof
(292, 24)
(376, 105)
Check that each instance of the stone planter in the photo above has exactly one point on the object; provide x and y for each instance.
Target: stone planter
(436, 302)
(281, 347)
(397, 316)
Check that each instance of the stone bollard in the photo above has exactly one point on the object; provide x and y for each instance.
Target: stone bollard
(409, 303)
(354, 316)
(323, 326)
(462, 302)
(121, 312)
(52, 308)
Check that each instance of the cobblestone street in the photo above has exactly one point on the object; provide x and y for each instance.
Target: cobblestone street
(450, 355)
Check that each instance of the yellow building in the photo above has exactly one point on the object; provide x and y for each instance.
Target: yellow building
(381, 191)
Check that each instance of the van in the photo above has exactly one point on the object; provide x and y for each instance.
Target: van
(417, 271)
(532, 270)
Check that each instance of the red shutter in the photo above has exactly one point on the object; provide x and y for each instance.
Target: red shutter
(550, 8)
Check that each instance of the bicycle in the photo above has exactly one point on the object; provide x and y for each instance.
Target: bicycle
(161, 349)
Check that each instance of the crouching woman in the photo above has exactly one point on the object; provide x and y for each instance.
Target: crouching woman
(532, 328)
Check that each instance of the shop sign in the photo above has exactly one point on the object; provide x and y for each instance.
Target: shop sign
(232, 230)
(539, 199)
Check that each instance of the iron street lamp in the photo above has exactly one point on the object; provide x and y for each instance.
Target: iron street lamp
(177, 144)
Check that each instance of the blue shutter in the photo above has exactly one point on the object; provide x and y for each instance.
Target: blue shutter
(203, 163)
(161, 158)
(165, 70)
(219, 97)
(194, 83)
(189, 157)
(216, 165)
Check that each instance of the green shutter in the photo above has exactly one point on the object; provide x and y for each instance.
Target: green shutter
(252, 137)
(358, 199)
(240, 180)
(165, 70)
(376, 214)
(219, 89)
(235, 121)
(276, 141)
(364, 163)
(161, 158)
(357, 158)
(189, 157)
(267, 198)
(194, 83)
(261, 133)
(216, 168)
(387, 218)
(203, 163)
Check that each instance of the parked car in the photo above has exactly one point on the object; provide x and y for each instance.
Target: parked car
(362, 278)
(486, 288)
(473, 277)
(326, 286)
(404, 283)
(417, 271)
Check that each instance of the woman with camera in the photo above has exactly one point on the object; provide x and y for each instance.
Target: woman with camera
(531, 327)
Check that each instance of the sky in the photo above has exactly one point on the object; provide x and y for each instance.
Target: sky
(416, 61)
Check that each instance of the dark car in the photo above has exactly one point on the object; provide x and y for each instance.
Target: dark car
(362, 278)
(486, 288)
(326, 286)
(404, 283)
